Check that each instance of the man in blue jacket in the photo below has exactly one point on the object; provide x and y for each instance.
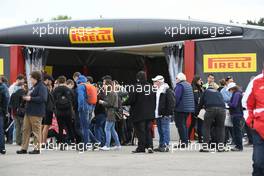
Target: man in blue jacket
(184, 107)
(84, 108)
(35, 111)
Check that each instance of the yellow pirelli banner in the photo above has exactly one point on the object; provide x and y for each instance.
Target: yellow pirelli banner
(241, 62)
(91, 35)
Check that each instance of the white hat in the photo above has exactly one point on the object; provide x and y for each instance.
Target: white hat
(158, 78)
(231, 85)
(181, 77)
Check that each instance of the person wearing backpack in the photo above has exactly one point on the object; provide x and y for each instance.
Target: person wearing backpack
(64, 98)
(165, 103)
(17, 106)
(86, 104)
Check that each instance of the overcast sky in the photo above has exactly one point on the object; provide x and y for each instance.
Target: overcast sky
(17, 12)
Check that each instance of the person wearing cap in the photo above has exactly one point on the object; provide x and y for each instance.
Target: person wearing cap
(253, 100)
(214, 105)
(229, 132)
(227, 94)
(236, 113)
(184, 107)
(165, 102)
(105, 78)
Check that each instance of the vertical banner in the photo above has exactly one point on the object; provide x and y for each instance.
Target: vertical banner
(1, 66)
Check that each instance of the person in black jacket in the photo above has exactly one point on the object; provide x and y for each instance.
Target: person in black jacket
(165, 104)
(4, 98)
(100, 116)
(17, 106)
(35, 111)
(214, 105)
(76, 121)
(197, 92)
(64, 101)
(142, 112)
(47, 119)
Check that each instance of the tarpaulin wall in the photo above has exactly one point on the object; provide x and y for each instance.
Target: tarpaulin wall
(233, 46)
(5, 61)
(122, 67)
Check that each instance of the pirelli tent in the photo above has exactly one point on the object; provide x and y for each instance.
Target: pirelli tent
(121, 47)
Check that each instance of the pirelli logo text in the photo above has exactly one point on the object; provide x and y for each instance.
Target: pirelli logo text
(244, 62)
(91, 35)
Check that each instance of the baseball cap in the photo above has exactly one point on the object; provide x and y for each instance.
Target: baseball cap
(158, 78)
(231, 85)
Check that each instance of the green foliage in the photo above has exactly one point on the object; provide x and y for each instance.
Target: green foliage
(260, 22)
(61, 17)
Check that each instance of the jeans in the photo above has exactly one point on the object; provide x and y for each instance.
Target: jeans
(85, 121)
(19, 127)
(99, 128)
(237, 131)
(180, 122)
(143, 133)
(77, 128)
(214, 117)
(163, 124)
(65, 122)
(14, 133)
(10, 133)
(2, 136)
(199, 122)
(110, 131)
(258, 154)
(249, 134)
(229, 133)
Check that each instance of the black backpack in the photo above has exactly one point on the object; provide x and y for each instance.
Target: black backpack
(170, 101)
(167, 103)
(63, 101)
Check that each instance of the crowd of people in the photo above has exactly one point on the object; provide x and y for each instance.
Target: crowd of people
(78, 111)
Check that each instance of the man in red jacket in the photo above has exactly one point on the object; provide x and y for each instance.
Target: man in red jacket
(253, 101)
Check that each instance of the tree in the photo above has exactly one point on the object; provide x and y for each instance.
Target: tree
(259, 23)
(61, 17)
